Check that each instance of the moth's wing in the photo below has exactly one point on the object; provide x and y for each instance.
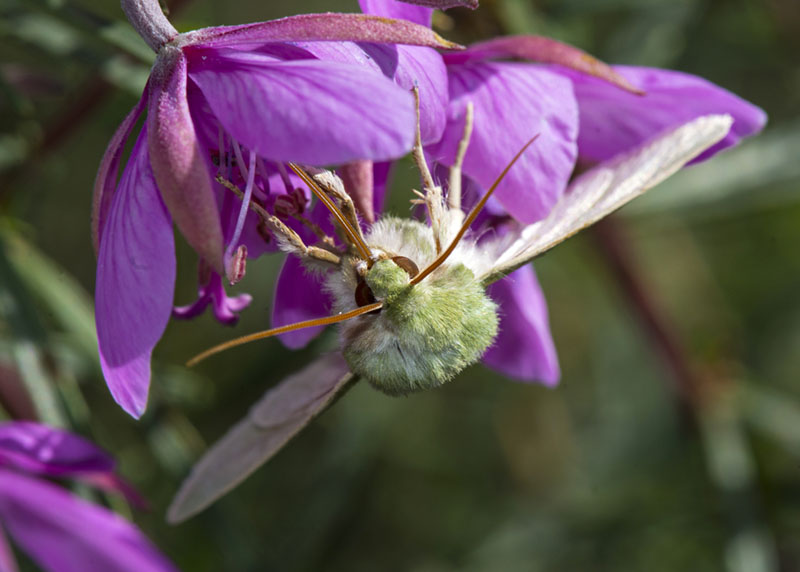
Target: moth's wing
(283, 411)
(605, 188)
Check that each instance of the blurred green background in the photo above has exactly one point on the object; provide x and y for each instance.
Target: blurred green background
(613, 470)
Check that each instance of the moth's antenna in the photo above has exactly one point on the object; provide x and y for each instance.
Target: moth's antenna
(282, 330)
(473, 214)
(354, 236)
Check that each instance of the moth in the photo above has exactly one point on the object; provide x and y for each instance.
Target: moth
(411, 295)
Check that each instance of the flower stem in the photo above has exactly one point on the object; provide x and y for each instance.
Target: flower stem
(613, 247)
(149, 20)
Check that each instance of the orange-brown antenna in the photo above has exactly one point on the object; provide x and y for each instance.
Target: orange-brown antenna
(282, 330)
(473, 214)
(322, 195)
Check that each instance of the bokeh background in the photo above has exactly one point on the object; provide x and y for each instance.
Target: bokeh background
(672, 443)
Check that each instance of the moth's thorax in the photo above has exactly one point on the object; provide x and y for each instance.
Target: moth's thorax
(425, 333)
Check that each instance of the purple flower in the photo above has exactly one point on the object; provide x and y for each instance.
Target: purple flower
(581, 109)
(61, 532)
(237, 102)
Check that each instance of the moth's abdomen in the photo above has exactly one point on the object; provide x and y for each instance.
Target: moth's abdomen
(424, 335)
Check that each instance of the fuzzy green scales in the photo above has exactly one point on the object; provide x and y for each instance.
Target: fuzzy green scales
(426, 333)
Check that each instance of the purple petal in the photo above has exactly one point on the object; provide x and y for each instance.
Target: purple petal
(544, 50)
(298, 296)
(106, 181)
(178, 163)
(135, 281)
(307, 111)
(444, 4)
(524, 348)
(513, 103)
(381, 173)
(408, 66)
(63, 533)
(37, 448)
(425, 69)
(400, 10)
(613, 121)
(226, 308)
(322, 27)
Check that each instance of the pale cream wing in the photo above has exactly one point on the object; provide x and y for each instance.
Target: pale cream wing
(283, 411)
(605, 188)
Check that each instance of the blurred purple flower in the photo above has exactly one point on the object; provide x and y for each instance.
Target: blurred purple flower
(61, 532)
(581, 109)
(238, 101)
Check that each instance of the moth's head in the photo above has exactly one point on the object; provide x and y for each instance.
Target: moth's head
(387, 278)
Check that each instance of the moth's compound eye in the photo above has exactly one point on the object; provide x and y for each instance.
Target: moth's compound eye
(364, 295)
(406, 264)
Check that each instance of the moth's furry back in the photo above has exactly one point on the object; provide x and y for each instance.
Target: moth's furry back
(425, 334)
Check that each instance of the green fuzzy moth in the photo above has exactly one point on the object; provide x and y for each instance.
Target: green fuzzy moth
(411, 296)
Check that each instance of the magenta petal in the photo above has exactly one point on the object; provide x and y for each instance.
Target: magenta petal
(408, 66)
(613, 121)
(106, 180)
(63, 533)
(513, 103)
(422, 68)
(381, 174)
(37, 448)
(444, 4)
(306, 110)
(298, 296)
(524, 348)
(135, 281)
(178, 163)
(400, 10)
(425, 69)
(544, 50)
(322, 27)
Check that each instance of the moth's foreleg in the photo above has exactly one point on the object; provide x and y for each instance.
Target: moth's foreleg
(334, 187)
(418, 153)
(288, 240)
(454, 181)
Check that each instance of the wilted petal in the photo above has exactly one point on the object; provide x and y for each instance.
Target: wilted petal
(298, 296)
(400, 10)
(135, 281)
(106, 180)
(613, 121)
(524, 347)
(305, 110)
(275, 419)
(513, 103)
(322, 27)
(359, 182)
(178, 164)
(544, 50)
(37, 448)
(63, 533)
